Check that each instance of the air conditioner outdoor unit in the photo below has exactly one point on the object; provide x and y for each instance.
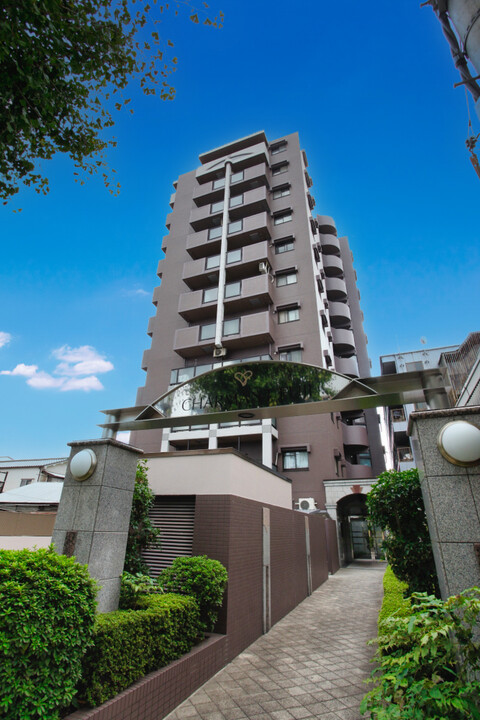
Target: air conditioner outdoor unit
(219, 352)
(264, 267)
(306, 504)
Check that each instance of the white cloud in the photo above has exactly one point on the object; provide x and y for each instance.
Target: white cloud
(76, 371)
(137, 292)
(21, 369)
(4, 338)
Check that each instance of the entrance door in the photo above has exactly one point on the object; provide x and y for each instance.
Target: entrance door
(359, 534)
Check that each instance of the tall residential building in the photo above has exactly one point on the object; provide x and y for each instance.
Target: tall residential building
(251, 274)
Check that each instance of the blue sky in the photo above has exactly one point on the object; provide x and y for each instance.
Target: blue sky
(369, 87)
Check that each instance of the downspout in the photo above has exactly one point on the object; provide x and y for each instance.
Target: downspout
(223, 260)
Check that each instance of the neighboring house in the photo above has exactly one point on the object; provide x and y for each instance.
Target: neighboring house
(27, 515)
(18, 473)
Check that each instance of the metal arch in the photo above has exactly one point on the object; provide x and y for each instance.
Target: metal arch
(229, 394)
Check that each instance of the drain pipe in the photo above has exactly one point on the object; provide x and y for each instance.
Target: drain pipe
(223, 261)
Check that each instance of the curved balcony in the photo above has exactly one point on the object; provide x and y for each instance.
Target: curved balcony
(347, 366)
(357, 472)
(336, 289)
(343, 342)
(333, 266)
(339, 315)
(355, 435)
(326, 224)
(330, 244)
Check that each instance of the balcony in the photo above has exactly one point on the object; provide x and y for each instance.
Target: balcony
(253, 177)
(326, 224)
(204, 272)
(256, 329)
(336, 289)
(343, 342)
(355, 435)
(339, 314)
(347, 366)
(254, 155)
(253, 229)
(330, 244)
(357, 472)
(254, 292)
(254, 201)
(333, 266)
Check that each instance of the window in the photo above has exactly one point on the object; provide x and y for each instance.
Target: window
(210, 295)
(280, 147)
(236, 200)
(291, 355)
(295, 459)
(231, 327)
(3, 478)
(219, 183)
(414, 365)
(281, 192)
(215, 232)
(216, 207)
(207, 332)
(282, 218)
(405, 454)
(286, 278)
(183, 374)
(234, 256)
(289, 315)
(26, 481)
(363, 458)
(232, 289)
(212, 262)
(235, 226)
(284, 246)
(398, 414)
(279, 169)
(236, 177)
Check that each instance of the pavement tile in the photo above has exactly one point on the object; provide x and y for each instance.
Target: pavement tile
(310, 666)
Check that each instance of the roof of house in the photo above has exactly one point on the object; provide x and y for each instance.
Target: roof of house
(36, 462)
(40, 493)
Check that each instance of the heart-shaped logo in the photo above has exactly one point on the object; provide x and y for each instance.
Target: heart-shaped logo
(243, 376)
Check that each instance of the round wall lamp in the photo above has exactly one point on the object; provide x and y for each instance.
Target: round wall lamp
(83, 465)
(459, 443)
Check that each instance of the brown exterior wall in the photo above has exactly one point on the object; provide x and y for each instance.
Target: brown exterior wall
(41, 524)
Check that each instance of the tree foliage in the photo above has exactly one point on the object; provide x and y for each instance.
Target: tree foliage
(428, 662)
(395, 503)
(141, 531)
(64, 65)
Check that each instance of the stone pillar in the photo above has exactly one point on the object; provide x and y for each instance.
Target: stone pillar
(452, 500)
(94, 513)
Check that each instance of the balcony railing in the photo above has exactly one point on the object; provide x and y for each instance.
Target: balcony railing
(241, 296)
(340, 315)
(336, 289)
(242, 262)
(333, 266)
(255, 176)
(250, 230)
(241, 205)
(343, 342)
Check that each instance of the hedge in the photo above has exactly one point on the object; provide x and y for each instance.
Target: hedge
(47, 612)
(128, 644)
(394, 600)
(201, 577)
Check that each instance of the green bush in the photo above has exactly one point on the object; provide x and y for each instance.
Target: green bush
(134, 587)
(395, 504)
(394, 600)
(128, 644)
(203, 578)
(47, 611)
(427, 662)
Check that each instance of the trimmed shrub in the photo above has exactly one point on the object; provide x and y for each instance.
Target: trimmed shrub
(428, 662)
(128, 644)
(134, 587)
(394, 600)
(47, 611)
(203, 578)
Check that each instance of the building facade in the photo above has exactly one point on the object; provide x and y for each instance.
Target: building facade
(251, 273)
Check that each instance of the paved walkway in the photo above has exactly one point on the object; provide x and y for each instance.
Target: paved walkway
(310, 665)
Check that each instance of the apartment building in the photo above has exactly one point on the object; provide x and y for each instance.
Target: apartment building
(251, 273)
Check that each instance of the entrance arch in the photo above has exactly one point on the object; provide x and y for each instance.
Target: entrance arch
(352, 526)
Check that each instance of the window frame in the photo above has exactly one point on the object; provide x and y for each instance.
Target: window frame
(234, 222)
(278, 148)
(283, 217)
(285, 274)
(288, 351)
(232, 320)
(284, 312)
(288, 245)
(281, 191)
(280, 168)
(212, 229)
(295, 453)
(204, 327)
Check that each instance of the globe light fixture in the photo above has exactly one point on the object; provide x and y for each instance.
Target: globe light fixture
(83, 465)
(459, 443)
